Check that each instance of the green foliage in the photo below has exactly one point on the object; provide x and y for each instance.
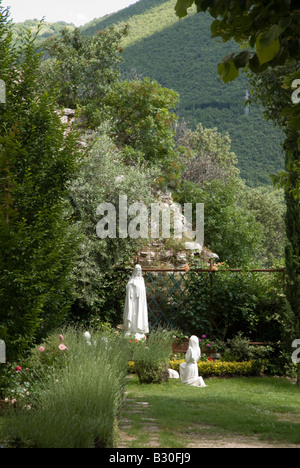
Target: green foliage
(273, 29)
(269, 208)
(272, 92)
(239, 349)
(224, 303)
(191, 70)
(241, 224)
(104, 177)
(273, 32)
(151, 357)
(37, 162)
(85, 68)
(76, 406)
(45, 30)
(142, 119)
(230, 231)
(210, 155)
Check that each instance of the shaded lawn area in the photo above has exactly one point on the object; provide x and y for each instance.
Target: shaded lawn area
(265, 407)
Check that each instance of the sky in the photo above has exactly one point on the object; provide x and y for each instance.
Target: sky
(78, 12)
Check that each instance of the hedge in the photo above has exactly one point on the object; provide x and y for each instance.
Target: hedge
(219, 368)
(223, 368)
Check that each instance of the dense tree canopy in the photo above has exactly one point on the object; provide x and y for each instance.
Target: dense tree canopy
(86, 68)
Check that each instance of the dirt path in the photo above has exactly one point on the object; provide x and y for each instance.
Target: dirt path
(232, 441)
(142, 419)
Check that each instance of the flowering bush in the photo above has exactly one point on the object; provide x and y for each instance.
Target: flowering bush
(79, 389)
(16, 387)
(50, 354)
(18, 383)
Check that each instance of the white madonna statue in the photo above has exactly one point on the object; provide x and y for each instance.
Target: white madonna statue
(135, 320)
(189, 373)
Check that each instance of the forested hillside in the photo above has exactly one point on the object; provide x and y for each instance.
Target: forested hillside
(181, 55)
(47, 29)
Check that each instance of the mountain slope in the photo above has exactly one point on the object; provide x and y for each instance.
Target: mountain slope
(47, 29)
(181, 55)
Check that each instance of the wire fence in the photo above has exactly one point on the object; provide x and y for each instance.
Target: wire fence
(166, 286)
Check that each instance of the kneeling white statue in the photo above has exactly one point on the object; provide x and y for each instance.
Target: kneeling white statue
(135, 320)
(189, 373)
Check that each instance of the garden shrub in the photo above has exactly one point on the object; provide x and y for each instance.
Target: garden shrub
(76, 405)
(151, 357)
(230, 302)
(238, 349)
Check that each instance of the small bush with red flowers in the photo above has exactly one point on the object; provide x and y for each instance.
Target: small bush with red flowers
(13, 385)
(18, 383)
(79, 380)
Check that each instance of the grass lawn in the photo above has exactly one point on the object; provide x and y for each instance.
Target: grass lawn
(261, 408)
(267, 408)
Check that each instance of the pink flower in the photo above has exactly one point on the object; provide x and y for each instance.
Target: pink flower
(208, 344)
(61, 338)
(42, 349)
(62, 347)
(18, 369)
(204, 336)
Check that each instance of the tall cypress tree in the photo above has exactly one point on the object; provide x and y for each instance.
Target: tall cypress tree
(292, 251)
(38, 159)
